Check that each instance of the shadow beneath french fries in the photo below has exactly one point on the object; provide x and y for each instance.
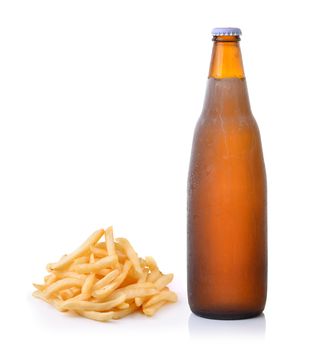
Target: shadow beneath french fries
(201, 327)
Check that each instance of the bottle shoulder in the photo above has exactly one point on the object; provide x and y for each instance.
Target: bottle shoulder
(219, 122)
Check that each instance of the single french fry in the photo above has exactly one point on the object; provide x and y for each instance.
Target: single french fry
(122, 313)
(107, 290)
(103, 263)
(121, 256)
(96, 315)
(88, 285)
(123, 306)
(93, 306)
(94, 238)
(69, 293)
(79, 297)
(154, 275)
(106, 280)
(110, 244)
(119, 248)
(143, 263)
(40, 287)
(51, 279)
(110, 315)
(81, 260)
(98, 252)
(107, 316)
(64, 274)
(131, 254)
(62, 284)
(150, 311)
(101, 245)
(163, 281)
(103, 272)
(138, 301)
(150, 262)
(55, 302)
(161, 296)
(136, 290)
(140, 293)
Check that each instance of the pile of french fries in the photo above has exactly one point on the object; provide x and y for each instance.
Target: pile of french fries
(105, 280)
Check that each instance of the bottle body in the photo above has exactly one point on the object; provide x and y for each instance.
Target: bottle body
(227, 207)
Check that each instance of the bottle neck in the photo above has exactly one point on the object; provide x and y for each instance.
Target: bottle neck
(227, 94)
(226, 61)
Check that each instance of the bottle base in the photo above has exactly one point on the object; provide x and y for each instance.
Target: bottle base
(227, 316)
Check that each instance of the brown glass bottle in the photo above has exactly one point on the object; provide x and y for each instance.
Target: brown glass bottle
(227, 202)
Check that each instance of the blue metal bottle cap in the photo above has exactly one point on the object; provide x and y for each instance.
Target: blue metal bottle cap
(226, 31)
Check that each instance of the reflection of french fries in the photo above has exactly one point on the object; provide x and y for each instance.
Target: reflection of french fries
(105, 281)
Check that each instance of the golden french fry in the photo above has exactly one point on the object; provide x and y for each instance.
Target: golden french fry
(107, 290)
(150, 262)
(93, 306)
(55, 302)
(123, 306)
(88, 285)
(121, 256)
(107, 316)
(69, 293)
(161, 296)
(110, 243)
(140, 293)
(96, 316)
(103, 263)
(163, 281)
(122, 313)
(81, 260)
(40, 287)
(62, 284)
(103, 272)
(98, 252)
(150, 311)
(154, 275)
(137, 290)
(131, 254)
(94, 238)
(119, 248)
(106, 280)
(101, 245)
(64, 274)
(138, 301)
(51, 279)
(143, 263)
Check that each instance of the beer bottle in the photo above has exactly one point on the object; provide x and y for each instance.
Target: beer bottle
(227, 203)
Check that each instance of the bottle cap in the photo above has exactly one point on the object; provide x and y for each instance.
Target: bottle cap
(226, 31)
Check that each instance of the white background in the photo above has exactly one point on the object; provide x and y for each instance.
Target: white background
(98, 102)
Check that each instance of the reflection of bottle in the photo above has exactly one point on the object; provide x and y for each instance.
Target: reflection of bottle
(203, 328)
(227, 215)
